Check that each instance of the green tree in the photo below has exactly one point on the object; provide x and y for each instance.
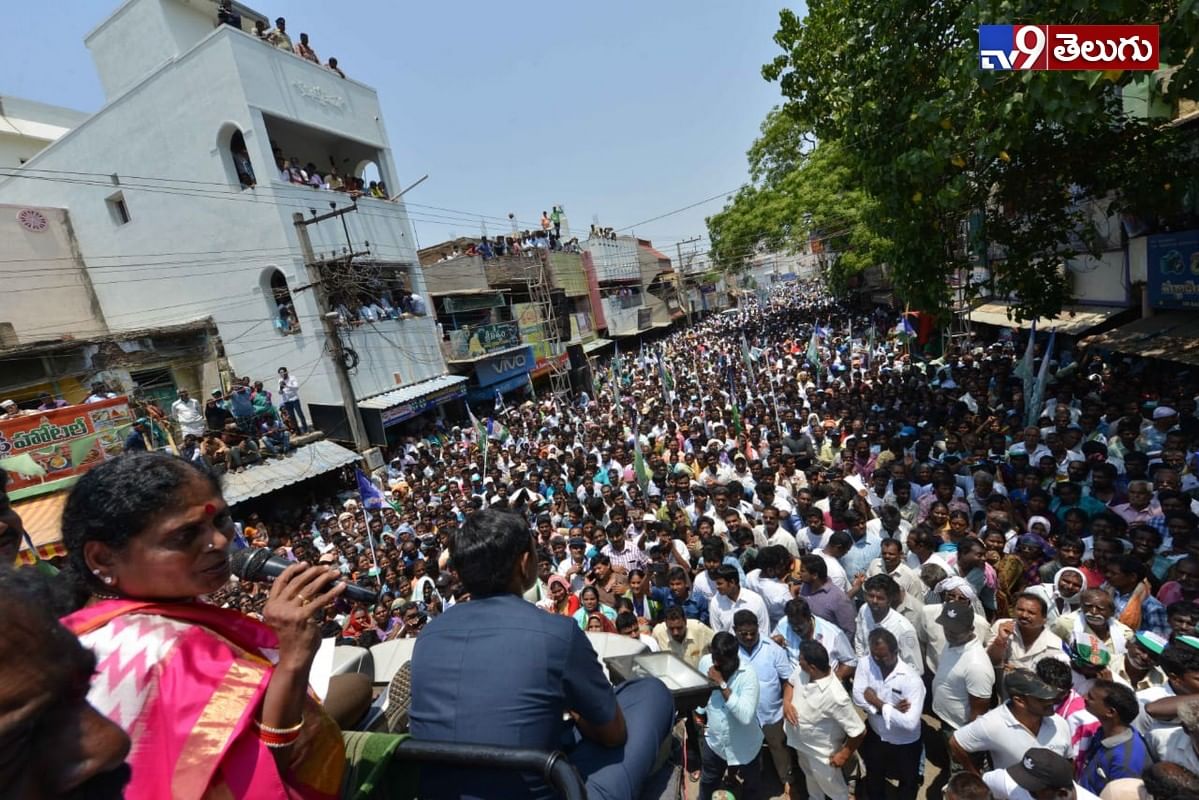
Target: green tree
(934, 140)
(802, 194)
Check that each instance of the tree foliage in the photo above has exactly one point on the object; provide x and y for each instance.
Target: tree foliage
(915, 142)
(804, 195)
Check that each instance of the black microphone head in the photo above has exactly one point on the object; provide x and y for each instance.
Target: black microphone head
(248, 562)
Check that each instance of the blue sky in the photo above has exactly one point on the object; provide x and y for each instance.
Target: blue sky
(624, 109)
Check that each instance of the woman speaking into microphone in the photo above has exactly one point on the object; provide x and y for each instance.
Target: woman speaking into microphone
(216, 703)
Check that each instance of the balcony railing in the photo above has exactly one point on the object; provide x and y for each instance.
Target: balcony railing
(480, 341)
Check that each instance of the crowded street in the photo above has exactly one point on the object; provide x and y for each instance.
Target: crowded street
(690, 401)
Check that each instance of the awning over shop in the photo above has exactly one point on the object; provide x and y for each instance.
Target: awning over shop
(1072, 321)
(596, 344)
(1170, 337)
(479, 393)
(42, 518)
(307, 462)
(382, 411)
(411, 395)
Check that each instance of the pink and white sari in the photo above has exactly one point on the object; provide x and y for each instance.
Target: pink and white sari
(186, 681)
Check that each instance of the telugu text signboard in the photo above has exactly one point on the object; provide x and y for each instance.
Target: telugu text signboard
(1173, 270)
(64, 442)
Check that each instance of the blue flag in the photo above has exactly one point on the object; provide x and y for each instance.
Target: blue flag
(372, 496)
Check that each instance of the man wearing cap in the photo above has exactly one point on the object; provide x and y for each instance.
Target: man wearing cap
(1041, 774)
(1153, 435)
(1025, 721)
(965, 677)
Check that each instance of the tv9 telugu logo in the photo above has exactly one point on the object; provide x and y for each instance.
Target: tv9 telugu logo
(1068, 47)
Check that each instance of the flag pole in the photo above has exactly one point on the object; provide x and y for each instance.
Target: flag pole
(370, 540)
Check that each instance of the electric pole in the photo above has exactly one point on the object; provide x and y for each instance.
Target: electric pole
(332, 336)
(683, 299)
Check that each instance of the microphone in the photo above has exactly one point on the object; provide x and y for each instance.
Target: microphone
(258, 564)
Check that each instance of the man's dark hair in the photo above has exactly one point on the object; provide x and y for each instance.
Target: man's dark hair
(1131, 565)
(966, 786)
(674, 612)
(816, 566)
(745, 617)
(1071, 541)
(1167, 780)
(711, 552)
(625, 621)
(728, 572)
(841, 540)
(880, 583)
(886, 637)
(814, 653)
(1120, 699)
(676, 573)
(485, 549)
(724, 649)
(1179, 659)
(797, 606)
(1038, 599)
(1055, 673)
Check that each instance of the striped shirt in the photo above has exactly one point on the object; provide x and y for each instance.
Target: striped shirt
(1122, 755)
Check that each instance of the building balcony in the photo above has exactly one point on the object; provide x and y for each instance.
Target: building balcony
(477, 342)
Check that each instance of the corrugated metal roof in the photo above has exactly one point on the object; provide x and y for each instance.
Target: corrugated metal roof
(406, 394)
(1170, 337)
(1072, 319)
(309, 461)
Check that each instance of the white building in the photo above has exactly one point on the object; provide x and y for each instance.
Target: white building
(26, 127)
(153, 195)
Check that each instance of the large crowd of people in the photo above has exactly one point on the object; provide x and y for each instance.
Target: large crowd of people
(882, 560)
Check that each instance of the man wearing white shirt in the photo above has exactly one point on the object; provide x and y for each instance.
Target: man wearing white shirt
(773, 562)
(187, 412)
(879, 613)
(821, 724)
(774, 534)
(1025, 639)
(965, 678)
(1040, 773)
(289, 399)
(890, 562)
(892, 695)
(1008, 732)
(836, 546)
(731, 597)
(800, 625)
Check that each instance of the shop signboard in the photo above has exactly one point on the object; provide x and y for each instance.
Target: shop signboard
(501, 368)
(1173, 269)
(63, 443)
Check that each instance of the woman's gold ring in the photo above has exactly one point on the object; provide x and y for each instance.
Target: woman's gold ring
(304, 601)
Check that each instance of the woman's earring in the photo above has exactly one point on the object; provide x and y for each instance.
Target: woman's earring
(108, 580)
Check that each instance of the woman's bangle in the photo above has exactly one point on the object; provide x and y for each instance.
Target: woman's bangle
(281, 731)
(279, 738)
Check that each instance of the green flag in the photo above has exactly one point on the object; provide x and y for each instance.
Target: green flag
(736, 417)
